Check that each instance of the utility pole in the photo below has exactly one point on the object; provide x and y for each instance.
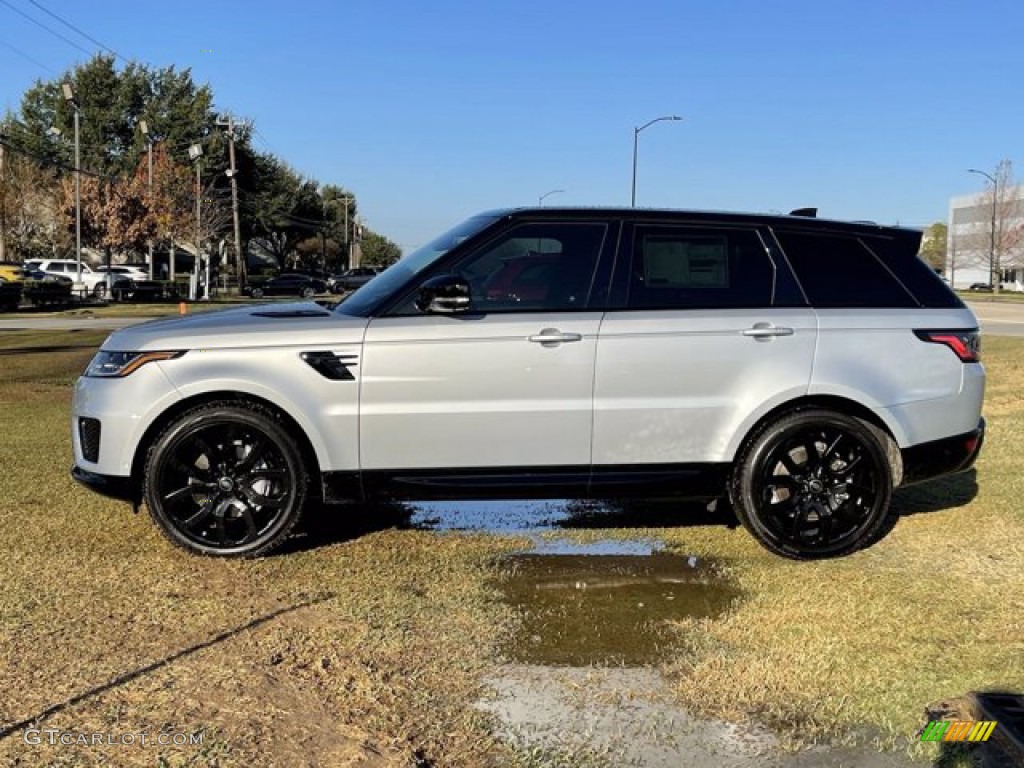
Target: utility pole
(233, 176)
(3, 212)
(69, 97)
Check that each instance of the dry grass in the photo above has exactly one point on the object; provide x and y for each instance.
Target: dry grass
(369, 650)
(374, 653)
(860, 645)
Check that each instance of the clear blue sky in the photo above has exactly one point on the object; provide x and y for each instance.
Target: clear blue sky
(431, 111)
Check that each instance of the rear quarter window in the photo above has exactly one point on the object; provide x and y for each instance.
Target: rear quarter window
(840, 271)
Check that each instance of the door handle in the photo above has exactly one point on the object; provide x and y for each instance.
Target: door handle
(767, 331)
(551, 337)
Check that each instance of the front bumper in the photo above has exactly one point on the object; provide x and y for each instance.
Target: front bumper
(942, 457)
(121, 488)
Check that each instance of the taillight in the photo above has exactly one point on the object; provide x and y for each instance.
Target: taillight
(965, 344)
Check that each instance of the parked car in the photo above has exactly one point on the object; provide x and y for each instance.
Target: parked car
(351, 279)
(96, 283)
(10, 273)
(736, 357)
(39, 276)
(291, 284)
(127, 270)
(985, 287)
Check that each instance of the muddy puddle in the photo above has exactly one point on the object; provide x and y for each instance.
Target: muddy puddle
(586, 609)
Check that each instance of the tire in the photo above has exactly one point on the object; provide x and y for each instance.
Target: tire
(815, 484)
(257, 293)
(99, 290)
(225, 479)
(308, 292)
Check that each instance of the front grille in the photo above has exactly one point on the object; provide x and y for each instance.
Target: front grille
(89, 437)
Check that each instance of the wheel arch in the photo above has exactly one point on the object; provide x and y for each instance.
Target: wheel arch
(294, 429)
(828, 402)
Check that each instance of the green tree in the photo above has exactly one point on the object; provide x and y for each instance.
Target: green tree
(378, 251)
(933, 246)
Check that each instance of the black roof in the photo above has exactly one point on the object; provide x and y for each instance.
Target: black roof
(789, 221)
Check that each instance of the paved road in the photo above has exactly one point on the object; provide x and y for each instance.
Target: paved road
(27, 322)
(998, 319)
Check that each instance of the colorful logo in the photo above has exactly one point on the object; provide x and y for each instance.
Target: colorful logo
(958, 730)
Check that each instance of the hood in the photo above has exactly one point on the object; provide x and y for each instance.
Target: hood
(242, 327)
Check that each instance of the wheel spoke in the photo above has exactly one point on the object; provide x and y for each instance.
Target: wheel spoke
(259, 500)
(204, 512)
(250, 524)
(186, 490)
(791, 466)
(257, 448)
(811, 448)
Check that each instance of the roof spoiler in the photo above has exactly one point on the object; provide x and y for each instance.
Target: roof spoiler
(808, 213)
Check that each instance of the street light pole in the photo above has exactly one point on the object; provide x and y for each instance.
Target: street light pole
(195, 152)
(540, 200)
(69, 97)
(992, 232)
(636, 141)
(144, 127)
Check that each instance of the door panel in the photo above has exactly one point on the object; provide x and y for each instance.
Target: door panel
(673, 386)
(440, 391)
(699, 349)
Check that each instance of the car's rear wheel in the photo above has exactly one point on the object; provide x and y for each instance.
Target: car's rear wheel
(225, 479)
(815, 484)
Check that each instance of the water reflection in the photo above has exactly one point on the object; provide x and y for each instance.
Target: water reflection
(612, 609)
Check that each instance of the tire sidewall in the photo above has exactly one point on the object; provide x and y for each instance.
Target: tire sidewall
(180, 430)
(748, 467)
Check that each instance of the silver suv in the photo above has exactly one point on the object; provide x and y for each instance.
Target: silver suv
(797, 367)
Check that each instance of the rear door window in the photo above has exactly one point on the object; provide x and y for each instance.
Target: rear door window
(677, 267)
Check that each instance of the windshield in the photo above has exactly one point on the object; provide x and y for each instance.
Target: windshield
(362, 302)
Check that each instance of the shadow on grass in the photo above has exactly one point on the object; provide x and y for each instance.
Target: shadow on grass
(937, 495)
(323, 525)
(134, 674)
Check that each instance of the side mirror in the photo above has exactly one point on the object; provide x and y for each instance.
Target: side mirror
(444, 294)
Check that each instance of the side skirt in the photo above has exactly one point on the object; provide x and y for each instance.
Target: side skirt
(685, 481)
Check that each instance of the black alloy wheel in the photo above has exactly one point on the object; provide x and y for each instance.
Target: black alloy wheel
(815, 484)
(225, 479)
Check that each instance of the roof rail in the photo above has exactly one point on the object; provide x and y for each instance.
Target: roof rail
(810, 213)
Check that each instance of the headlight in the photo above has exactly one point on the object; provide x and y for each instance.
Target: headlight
(106, 365)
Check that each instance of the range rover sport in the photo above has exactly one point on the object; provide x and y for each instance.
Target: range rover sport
(798, 367)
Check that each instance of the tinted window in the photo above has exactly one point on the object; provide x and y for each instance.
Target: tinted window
(900, 255)
(838, 271)
(545, 266)
(684, 268)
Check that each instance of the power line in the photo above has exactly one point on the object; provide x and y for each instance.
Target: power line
(27, 57)
(71, 26)
(51, 31)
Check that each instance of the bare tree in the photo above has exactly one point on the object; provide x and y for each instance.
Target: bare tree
(996, 241)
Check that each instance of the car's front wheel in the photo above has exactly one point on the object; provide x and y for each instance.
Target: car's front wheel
(225, 479)
(100, 290)
(815, 484)
(256, 293)
(308, 292)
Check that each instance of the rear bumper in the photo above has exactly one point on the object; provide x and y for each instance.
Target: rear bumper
(942, 457)
(121, 488)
